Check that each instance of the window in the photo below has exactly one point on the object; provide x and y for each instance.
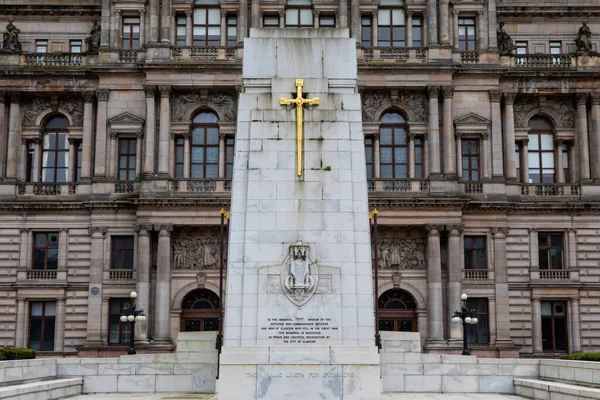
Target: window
(366, 29)
(55, 150)
(78, 155)
(45, 250)
(207, 27)
(41, 46)
(229, 153)
(270, 21)
(131, 33)
(179, 149)
(479, 333)
(521, 50)
(466, 34)
(550, 250)
(555, 48)
(565, 162)
(369, 157)
(75, 46)
(470, 159)
(554, 326)
(127, 149)
(297, 17)
(393, 146)
(518, 161)
(30, 158)
(327, 21)
(180, 29)
(122, 252)
(417, 32)
(418, 158)
(205, 146)
(540, 155)
(231, 30)
(391, 28)
(42, 316)
(475, 252)
(118, 332)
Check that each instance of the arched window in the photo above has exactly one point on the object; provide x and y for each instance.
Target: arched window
(201, 311)
(205, 146)
(397, 311)
(393, 148)
(55, 150)
(540, 156)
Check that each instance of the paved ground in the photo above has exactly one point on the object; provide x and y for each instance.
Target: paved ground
(386, 396)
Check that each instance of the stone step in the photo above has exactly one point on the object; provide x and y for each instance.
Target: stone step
(43, 390)
(550, 390)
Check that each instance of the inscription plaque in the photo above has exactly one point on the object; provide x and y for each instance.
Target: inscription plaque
(304, 331)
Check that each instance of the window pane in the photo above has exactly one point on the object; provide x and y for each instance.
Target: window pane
(385, 136)
(48, 334)
(385, 155)
(214, 16)
(116, 260)
(401, 171)
(37, 308)
(306, 17)
(534, 142)
(198, 136)
(556, 256)
(546, 308)
(533, 159)
(35, 333)
(52, 262)
(212, 154)
(543, 259)
(50, 310)
(197, 154)
(128, 259)
(291, 16)
(547, 160)
(386, 171)
(400, 155)
(212, 171)
(197, 171)
(383, 17)
(398, 17)
(200, 16)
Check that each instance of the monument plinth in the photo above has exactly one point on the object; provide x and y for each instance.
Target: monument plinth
(299, 321)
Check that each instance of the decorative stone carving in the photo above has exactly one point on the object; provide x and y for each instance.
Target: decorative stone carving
(560, 108)
(70, 105)
(88, 97)
(505, 43)
(33, 108)
(433, 91)
(299, 275)
(595, 99)
(448, 92)
(201, 279)
(184, 103)
(150, 91)
(102, 94)
(495, 96)
(401, 249)
(10, 43)
(165, 91)
(95, 229)
(197, 249)
(584, 39)
(414, 102)
(92, 42)
(396, 279)
(74, 107)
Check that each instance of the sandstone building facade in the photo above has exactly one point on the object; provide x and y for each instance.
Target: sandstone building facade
(482, 137)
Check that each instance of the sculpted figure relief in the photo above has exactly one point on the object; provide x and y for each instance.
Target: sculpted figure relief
(197, 250)
(402, 249)
(505, 43)
(11, 43)
(584, 38)
(183, 103)
(93, 41)
(414, 101)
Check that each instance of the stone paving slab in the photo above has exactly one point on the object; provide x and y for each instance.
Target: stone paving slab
(385, 396)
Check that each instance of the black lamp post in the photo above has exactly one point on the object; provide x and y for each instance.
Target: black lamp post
(468, 318)
(132, 315)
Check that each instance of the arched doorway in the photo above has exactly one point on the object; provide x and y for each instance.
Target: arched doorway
(200, 311)
(397, 311)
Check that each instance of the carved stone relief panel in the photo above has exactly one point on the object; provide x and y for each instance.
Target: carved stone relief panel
(413, 102)
(71, 105)
(402, 248)
(183, 104)
(197, 248)
(561, 109)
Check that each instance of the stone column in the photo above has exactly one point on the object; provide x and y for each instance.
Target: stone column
(411, 155)
(375, 33)
(24, 248)
(112, 156)
(117, 30)
(355, 20)
(100, 153)
(409, 15)
(255, 20)
(189, 29)
(536, 326)
(36, 161)
(501, 288)
(444, 21)
(482, 42)
(595, 134)
(94, 315)
(223, 27)
(485, 156)
(492, 23)
(186, 155)
(243, 21)
(14, 133)
(3, 135)
(572, 243)
(582, 136)
(162, 317)
(20, 329)
(559, 161)
(63, 239)
(458, 141)
(449, 147)
(575, 326)
(173, 27)
(525, 160)
(376, 157)
(143, 279)
(496, 160)
(22, 164)
(149, 147)
(434, 132)
(343, 14)
(509, 137)
(316, 18)
(59, 339)
(165, 127)
(435, 321)
(455, 28)
(432, 29)
(142, 27)
(87, 142)
(153, 16)
(165, 23)
(454, 279)
(222, 165)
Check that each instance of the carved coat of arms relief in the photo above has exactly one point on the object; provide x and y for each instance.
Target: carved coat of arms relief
(299, 274)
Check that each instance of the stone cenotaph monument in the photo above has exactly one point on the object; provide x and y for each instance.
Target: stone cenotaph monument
(299, 319)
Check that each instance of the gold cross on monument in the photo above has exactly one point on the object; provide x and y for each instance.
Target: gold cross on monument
(299, 102)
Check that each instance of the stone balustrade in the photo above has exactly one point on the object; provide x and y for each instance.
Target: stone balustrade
(469, 57)
(551, 61)
(42, 276)
(550, 190)
(119, 274)
(554, 275)
(200, 185)
(403, 54)
(191, 54)
(398, 185)
(477, 274)
(54, 59)
(47, 189)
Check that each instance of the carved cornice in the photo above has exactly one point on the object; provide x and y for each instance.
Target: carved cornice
(495, 96)
(102, 94)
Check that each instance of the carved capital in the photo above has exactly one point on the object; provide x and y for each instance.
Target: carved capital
(581, 99)
(113, 135)
(559, 142)
(165, 91)
(495, 96)
(24, 230)
(509, 97)
(63, 229)
(139, 134)
(102, 94)
(24, 141)
(150, 91)
(15, 97)
(485, 136)
(434, 230)
(595, 99)
(455, 229)
(142, 12)
(448, 92)
(95, 229)
(500, 231)
(531, 230)
(572, 230)
(525, 142)
(188, 13)
(72, 140)
(433, 91)
(223, 13)
(143, 229)
(88, 97)
(164, 230)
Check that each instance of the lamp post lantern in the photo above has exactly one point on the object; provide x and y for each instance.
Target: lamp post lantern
(132, 315)
(468, 318)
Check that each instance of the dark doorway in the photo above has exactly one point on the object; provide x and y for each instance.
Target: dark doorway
(200, 311)
(554, 326)
(397, 311)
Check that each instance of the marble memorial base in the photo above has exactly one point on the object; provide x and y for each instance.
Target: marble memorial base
(300, 373)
